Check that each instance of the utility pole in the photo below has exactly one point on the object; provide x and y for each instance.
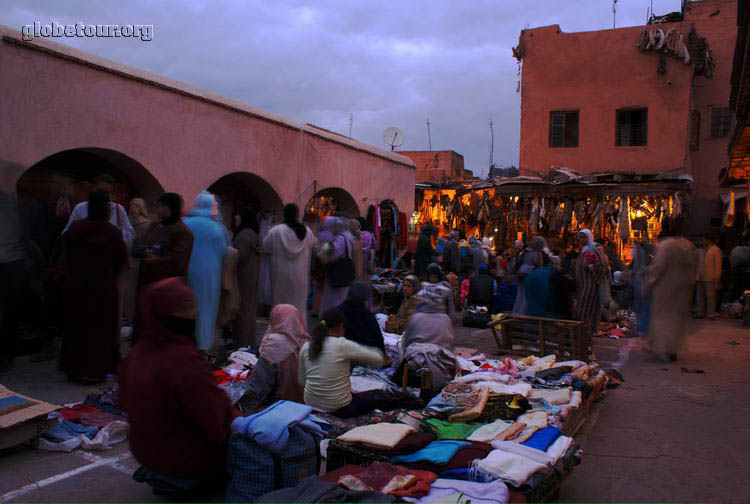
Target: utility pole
(351, 121)
(614, 14)
(429, 136)
(492, 146)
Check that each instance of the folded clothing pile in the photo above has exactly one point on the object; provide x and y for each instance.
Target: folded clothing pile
(383, 477)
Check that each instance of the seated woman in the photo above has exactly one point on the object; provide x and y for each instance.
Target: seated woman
(324, 369)
(361, 325)
(275, 374)
(179, 419)
(397, 323)
(428, 340)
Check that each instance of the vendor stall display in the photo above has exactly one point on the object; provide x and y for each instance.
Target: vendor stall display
(619, 207)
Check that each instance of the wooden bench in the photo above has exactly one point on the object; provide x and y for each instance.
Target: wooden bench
(567, 339)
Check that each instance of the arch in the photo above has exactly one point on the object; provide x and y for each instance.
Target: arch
(71, 172)
(332, 200)
(239, 189)
(56, 183)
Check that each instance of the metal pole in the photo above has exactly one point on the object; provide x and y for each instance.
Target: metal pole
(429, 136)
(351, 121)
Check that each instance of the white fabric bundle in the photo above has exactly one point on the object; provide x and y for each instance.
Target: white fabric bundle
(490, 431)
(383, 435)
(559, 448)
(512, 468)
(500, 388)
(530, 453)
(484, 376)
(553, 396)
(476, 493)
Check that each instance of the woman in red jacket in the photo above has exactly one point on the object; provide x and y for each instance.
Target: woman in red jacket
(179, 419)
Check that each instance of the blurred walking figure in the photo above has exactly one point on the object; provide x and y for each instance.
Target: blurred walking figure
(247, 243)
(93, 255)
(670, 279)
(210, 242)
(340, 267)
(12, 275)
(290, 247)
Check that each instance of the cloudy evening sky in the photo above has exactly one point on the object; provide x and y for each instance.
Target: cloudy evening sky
(387, 63)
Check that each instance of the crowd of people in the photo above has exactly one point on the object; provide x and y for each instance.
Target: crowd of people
(172, 279)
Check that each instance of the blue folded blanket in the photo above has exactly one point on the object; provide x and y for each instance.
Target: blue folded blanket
(437, 452)
(270, 427)
(543, 438)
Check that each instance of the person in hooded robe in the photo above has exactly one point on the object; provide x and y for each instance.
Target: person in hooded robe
(205, 272)
(341, 247)
(530, 259)
(290, 247)
(670, 280)
(247, 243)
(361, 325)
(590, 267)
(179, 419)
(94, 253)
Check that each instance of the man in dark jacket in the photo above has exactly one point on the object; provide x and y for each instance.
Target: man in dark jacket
(482, 288)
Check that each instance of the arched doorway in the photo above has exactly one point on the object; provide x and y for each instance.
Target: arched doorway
(330, 201)
(246, 189)
(54, 185)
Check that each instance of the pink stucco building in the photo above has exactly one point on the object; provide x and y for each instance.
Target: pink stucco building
(595, 102)
(66, 114)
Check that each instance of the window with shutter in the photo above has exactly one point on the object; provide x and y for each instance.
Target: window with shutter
(631, 127)
(721, 122)
(563, 129)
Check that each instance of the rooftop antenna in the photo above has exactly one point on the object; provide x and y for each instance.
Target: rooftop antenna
(492, 146)
(351, 121)
(614, 14)
(429, 135)
(394, 137)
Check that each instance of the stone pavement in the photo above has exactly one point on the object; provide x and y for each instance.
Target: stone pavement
(661, 436)
(669, 436)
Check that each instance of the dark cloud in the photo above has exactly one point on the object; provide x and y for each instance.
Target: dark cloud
(387, 63)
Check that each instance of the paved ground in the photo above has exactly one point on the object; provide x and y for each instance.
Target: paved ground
(662, 436)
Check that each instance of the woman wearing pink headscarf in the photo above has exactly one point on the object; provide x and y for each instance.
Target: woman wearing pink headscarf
(275, 375)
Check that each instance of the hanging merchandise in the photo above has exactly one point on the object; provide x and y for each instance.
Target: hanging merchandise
(624, 226)
(729, 215)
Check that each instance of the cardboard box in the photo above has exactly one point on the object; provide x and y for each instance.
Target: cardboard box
(22, 418)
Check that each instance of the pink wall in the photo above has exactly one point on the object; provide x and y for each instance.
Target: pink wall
(721, 32)
(597, 73)
(50, 104)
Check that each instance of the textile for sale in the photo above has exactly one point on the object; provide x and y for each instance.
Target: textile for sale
(530, 453)
(437, 453)
(509, 467)
(495, 492)
(552, 396)
(488, 432)
(451, 430)
(381, 435)
(543, 438)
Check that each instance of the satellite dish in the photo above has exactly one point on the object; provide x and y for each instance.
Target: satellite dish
(394, 137)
